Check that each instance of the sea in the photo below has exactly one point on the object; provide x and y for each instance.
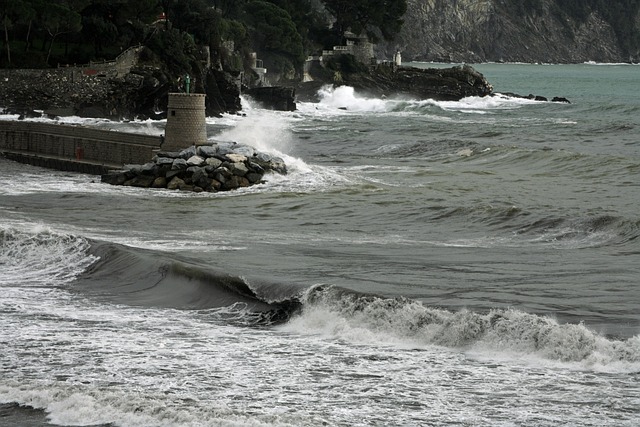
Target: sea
(423, 263)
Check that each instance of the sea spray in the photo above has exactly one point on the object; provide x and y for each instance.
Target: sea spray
(264, 130)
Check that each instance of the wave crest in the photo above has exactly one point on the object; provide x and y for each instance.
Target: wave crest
(41, 257)
(338, 312)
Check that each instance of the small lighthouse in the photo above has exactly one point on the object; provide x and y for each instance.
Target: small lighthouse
(186, 121)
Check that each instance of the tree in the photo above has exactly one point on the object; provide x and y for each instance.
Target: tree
(100, 31)
(229, 8)
(14, 12)
(59, 19)
(310, 19)
(274, 34)
(382, 18)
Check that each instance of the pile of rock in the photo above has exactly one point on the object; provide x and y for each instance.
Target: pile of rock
(221, 166)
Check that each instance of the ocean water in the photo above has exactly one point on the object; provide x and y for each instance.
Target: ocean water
(422, 264)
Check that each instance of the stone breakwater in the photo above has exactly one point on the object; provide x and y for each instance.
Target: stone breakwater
(221, 166)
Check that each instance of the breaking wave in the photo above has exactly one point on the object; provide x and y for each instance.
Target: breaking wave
(119, 274)
(345, 100)
(351, 316)
(132, 276)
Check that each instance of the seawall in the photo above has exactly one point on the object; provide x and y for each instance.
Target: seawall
(74, 148)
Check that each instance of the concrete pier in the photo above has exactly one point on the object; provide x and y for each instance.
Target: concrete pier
(74, 148)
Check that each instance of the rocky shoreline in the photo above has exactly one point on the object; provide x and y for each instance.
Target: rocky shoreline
(440, 84)
(220, 166)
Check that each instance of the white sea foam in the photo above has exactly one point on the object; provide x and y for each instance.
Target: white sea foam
(344, 100)
(611, 64)
(41, 256)
(68, 405)
(512, 333)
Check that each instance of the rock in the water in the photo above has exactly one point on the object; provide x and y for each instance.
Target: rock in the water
(175, 183)
(143, 181)
(159, 182)
(274, 97)
(208, 171)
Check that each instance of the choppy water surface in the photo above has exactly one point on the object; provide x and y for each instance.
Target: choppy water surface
(423, 263)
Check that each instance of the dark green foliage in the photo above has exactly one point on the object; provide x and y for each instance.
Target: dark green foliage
(175, 49)
(310, 19)
(382, 18)
(275, 35)
(346, 64)
(283, 32)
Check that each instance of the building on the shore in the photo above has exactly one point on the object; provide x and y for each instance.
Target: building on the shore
(357, 45)
(258, 67)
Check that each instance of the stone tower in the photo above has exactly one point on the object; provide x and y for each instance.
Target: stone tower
(186, 124)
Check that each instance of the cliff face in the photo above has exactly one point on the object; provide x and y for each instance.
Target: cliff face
(493, 30)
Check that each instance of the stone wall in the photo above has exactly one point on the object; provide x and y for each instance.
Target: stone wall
(78, 145)
(186, 120)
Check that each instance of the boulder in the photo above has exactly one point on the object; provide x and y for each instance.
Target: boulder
(236, 158)
(195, 161)
(188, 152)
(179, 164)
(149, 169)
(163, 160)
(144, 181)
(207, 151)
(175, 184)
(253, 177)
(255, 167)
(116, 177)
(200, 178)
(159, 182)
(213, 162)
(244, 150)
(168, 154)
(225, 148)
(238, 169)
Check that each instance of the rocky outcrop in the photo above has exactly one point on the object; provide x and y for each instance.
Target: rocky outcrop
(83, 91)
(223, 93)
(220, 166)
(387, 80)
(445, 84)
(494, 30)
(273, 97)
